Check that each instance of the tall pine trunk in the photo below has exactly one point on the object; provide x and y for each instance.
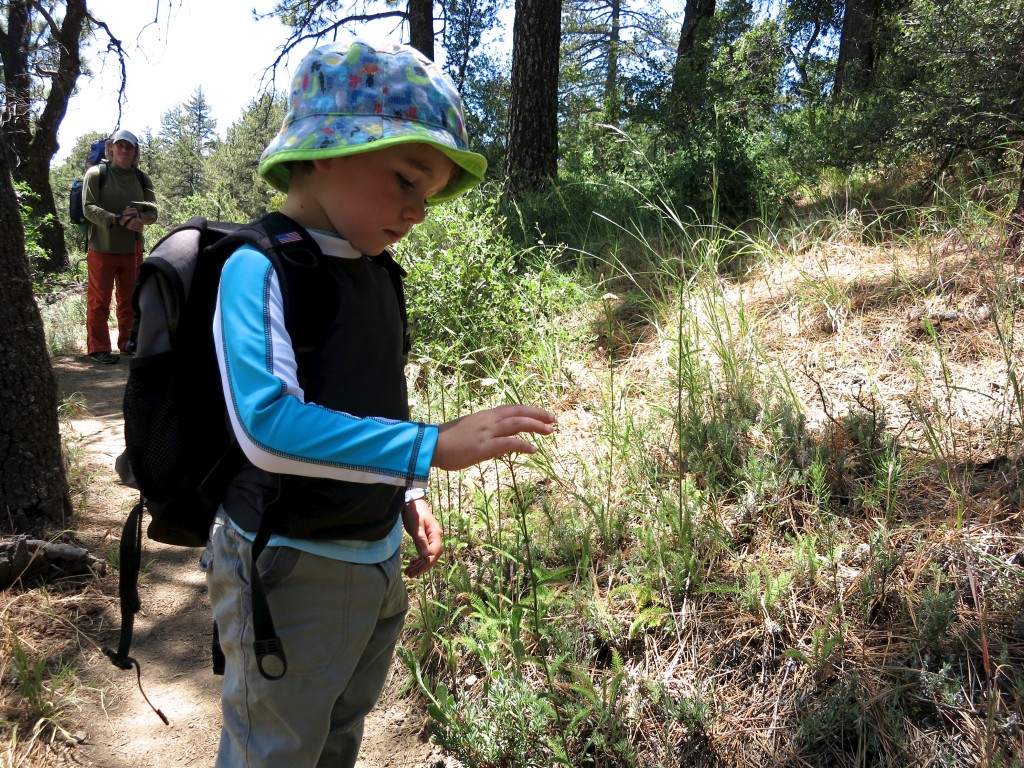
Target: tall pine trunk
(532, 156)
(421, 26)
(856, 59)
(690, 72)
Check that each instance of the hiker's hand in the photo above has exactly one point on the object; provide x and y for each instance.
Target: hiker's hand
(421, 524)
(488, 434)
(131, 220)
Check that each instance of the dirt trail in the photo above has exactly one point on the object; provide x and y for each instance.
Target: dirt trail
(172, 633)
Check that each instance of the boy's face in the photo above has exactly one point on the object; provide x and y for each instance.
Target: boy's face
(374, 198)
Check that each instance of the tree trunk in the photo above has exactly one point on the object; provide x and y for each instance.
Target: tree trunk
(856, 60)
(33, 139)
(696, 12)
(612, 100)
(690, 73)
(421, 26)
(34, 494)
(532, 157)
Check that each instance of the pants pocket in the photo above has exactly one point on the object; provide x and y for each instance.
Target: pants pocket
(276, 564)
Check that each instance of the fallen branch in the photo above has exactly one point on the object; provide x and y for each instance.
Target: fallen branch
(24, 559)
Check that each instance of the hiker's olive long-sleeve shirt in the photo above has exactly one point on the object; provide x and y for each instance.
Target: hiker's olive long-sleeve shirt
(103, 205)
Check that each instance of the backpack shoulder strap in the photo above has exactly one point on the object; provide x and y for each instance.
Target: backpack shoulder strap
(282, 239)
(176, 259)
(128, 592)
(291, 248)
(292, 251)
(141, 177)
(397, 275)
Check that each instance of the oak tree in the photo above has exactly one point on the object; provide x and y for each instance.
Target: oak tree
(40, 56)
(33, 485)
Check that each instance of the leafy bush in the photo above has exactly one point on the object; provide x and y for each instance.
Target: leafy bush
(30, 222)
(472, 295)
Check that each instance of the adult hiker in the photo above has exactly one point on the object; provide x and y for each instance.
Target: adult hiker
(118, 200)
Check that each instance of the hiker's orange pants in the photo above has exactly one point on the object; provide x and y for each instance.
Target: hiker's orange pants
(107, 271)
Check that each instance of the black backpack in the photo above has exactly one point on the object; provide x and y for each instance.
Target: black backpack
(76, 212)
(97, 153)
(180, 450)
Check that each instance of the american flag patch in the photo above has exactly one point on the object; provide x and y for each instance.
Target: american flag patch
(288, 237)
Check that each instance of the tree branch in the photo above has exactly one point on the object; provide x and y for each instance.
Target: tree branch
(114, 45)
(299, 36)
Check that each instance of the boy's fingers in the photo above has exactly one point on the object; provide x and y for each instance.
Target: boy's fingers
(488, 434)
(517, 424)
(419, 566)
(527, 412)
(514, 445)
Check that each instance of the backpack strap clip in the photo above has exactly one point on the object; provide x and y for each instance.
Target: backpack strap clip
(273, 649)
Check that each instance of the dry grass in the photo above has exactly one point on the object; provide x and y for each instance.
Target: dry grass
(43, 701)
(898, 336)
(903, 644)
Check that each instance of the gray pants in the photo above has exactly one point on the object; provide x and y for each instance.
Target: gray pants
(338, 623)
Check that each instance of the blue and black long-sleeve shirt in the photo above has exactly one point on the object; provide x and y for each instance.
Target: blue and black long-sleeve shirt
(323, 438)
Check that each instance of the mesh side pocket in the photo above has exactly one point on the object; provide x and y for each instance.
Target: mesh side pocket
(156, 437)
(174, 439)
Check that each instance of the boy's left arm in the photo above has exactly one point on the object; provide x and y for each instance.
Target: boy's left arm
(421, 524)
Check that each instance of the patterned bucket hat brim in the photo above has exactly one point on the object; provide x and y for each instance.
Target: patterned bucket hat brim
(358, 96)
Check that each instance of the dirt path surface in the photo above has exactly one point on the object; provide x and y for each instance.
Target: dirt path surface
(172, 633)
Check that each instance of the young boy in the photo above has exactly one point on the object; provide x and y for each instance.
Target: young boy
(375, 134)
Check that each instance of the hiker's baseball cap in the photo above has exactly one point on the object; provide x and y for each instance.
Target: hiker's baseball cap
(123, 135)
(359, 96)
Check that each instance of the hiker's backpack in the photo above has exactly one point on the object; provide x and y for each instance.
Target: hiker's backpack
(97, 153)
(76, 211)
(180, 450)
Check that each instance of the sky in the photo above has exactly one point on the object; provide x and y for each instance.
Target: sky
(214, 44)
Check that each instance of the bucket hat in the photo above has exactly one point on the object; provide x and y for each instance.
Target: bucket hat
(358, 96)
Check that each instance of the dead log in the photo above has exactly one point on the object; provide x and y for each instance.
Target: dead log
(32, 561)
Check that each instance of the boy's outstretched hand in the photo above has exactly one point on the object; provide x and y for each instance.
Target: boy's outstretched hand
(488, 434)
(425, 531)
